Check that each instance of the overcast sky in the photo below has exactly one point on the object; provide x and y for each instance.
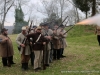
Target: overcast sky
(36, 3)
(10, 15)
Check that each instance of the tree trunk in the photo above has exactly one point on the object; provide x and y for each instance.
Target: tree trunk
(86, 14)
(77, 15)
(94, 8)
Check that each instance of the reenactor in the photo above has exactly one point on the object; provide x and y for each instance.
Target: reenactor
(6, 48)
(24, 48)
(63, 40)
(33, 29)
(42, 25)
(97, 32)
(56, 43)
(38, 43)
(32, 53)
(48, 35)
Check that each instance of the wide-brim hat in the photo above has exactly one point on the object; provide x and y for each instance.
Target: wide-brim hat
(4, 29)
(38, 28)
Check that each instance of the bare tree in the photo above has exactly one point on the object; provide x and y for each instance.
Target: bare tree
(59, 7)
(20, 2)
(5, 6)
(62, 4)
(49, 7)
(76, 11)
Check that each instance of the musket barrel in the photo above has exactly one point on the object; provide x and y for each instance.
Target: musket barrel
(69, 29)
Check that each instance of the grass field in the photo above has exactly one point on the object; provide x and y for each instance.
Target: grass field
(82, 58)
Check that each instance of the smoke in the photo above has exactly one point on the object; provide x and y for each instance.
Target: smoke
(95, 20)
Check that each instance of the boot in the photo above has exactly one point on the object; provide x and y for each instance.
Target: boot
(11, 60)
(9, 63)
(26, 66)
(4, 61)
(23, 66)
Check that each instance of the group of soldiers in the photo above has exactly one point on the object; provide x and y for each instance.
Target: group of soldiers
(40, 44)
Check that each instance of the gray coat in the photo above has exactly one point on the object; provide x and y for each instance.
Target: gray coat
(56, 40)
(48, 32)
(19, 41)
(63, 39)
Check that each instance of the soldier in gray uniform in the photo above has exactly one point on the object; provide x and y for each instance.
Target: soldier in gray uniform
(48, 35)
(63, 40)
(24, 48)
(56, 43)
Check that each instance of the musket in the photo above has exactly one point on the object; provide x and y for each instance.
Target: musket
(66, 23)
(68, 29)
(44, 67)
(44, 52)
(62, 21)
(30, 27)
(24, 41)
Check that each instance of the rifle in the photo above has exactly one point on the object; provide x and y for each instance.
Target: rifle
(44, 67)
(66, 23)
(62, 22)
(24, 41)
(68, 30)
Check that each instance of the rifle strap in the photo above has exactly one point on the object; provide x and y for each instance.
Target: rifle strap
(37, 39)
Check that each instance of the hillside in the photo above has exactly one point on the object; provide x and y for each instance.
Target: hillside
(81, 30)
(76, 31)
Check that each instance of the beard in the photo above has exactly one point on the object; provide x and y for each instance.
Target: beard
(5, 34)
